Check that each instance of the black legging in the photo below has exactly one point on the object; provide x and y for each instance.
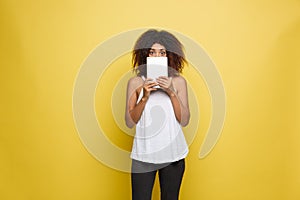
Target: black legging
(170, 176)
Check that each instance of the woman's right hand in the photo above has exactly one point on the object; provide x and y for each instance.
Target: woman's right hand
(148, 87)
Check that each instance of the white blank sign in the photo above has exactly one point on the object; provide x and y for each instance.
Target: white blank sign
(157, 66)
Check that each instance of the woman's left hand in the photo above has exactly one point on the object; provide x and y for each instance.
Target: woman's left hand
(165, 83)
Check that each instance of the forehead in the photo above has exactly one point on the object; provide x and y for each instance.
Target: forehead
(157, 46)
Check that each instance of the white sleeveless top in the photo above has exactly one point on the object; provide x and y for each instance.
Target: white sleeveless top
(159, 137)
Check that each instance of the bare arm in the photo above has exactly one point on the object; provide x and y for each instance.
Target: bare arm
(134, 110)
(176, 88)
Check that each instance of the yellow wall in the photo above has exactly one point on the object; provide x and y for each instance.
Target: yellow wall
(255, 45)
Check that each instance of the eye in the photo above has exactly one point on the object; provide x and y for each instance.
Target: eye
(162, 53)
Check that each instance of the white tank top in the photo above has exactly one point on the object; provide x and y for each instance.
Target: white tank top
(159, 137)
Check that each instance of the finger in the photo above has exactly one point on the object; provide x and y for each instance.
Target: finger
(160, 79)
(152, 84)
(148, 90)
(148, 80)
(163, 83)
(163, 77)
(152, 89)
(166, 81)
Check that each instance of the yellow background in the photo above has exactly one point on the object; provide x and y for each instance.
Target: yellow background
(255, 45)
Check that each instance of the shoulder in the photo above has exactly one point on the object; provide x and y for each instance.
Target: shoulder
(135, 80)
(179, 80)
(135, 83)
(179, 83)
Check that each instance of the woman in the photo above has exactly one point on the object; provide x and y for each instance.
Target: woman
(158, 113)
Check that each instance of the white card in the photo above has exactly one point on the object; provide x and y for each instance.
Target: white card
(157, 66)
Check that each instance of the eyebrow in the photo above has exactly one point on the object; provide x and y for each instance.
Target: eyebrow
(158, 49)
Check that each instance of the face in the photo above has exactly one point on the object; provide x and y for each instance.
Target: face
(157, 50)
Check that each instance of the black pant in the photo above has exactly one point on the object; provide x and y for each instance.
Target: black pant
(170, 177)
